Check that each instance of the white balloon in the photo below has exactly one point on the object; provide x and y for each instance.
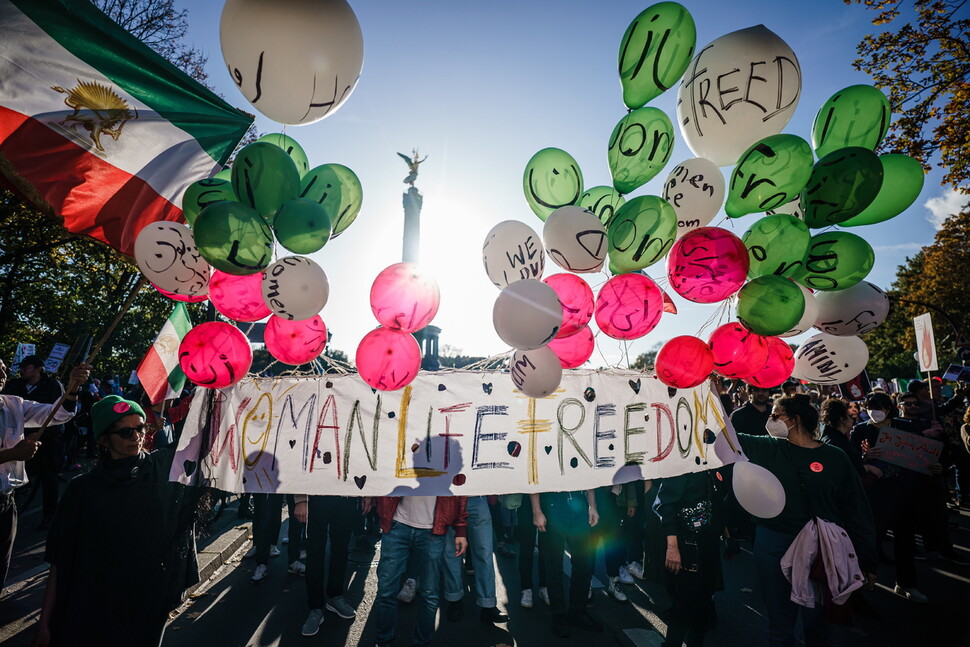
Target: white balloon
(575, 239)
(512, 252)
(853, 311)
(809, 315)
(527, 314)
(695, 189)
(295, 288)
(536, 373)
(758, 490)
(296, 61)
(827, 359)
(166, 254)
(740, 88)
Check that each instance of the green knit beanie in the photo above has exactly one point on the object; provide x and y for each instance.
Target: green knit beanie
(107, 411)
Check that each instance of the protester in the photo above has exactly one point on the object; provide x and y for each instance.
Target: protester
(566, 518)
(529, 539)
(121, 546)
(686, 507)
(414, 528)
(818, 481)
(837, 426)
(267, 521)
(622, 544)
(480, 546)
(332, 517)
(751, 418)
(15, 448)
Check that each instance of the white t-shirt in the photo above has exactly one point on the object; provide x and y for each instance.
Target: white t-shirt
(416, 511)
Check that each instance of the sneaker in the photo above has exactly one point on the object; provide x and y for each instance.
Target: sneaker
(615, 590)
(341, 607)
(407, 591)
(297, 568)
(583, 620)
(625, 576)
(313, 622)
(274, 551)
(251, 552)
(952, 558)
(635, 569)
(526, 600)
(260, 574)
(544, 595)
(492, 615)
(912, 594)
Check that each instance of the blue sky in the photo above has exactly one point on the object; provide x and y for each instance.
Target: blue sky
(479, 88)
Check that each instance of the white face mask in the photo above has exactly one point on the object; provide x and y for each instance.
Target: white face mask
(877, 416)
(777, 427)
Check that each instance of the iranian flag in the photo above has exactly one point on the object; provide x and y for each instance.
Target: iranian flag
(159, 372)
(96, 128)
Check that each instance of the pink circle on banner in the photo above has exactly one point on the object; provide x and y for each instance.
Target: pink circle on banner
(573, 351)
(215, 355)
(738, 352)
(777, 368)
(707, 265)
(629, 306)
(684, 362)
(181, 297)
(239, 298)
(576, 298)
(295, 342)
(388, 360)
(404, 297)
(121, 407)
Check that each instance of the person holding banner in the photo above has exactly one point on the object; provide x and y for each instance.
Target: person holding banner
(16, 414)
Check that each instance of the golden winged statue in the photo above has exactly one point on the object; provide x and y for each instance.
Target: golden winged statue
(412, 163)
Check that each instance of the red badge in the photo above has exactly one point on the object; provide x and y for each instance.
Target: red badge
(121, 407)
(718, 475)
(816, 467)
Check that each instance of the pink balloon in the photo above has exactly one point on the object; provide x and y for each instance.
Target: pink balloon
(240, 298)
(215, 355)
(295, 342)
(737, 351)
(629, 306)
(707, 265)
(777, 368)
(684, 362)
(573, 351)
(576, 298)
(388, 360)
(404, 297)
(181, 297)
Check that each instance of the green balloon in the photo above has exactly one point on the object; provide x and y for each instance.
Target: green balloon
(842, 185)
(642, 233)
(655, 51)
(769, 174)
(836, 260)
(264, 177)
(777, 245)
(770, 305)
(854, 116)
(233, 238)
(338, 190)
(202, 193)
(902, 181)
(604, 201)
(552, 179)
(291, 147)
(302, 226)
(640, 147)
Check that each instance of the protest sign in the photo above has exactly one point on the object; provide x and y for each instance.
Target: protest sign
(925, 343)
(908, 450)
(57, 355)
(23, 350)
(449, 433)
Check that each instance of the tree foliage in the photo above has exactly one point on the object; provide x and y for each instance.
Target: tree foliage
(935, 280)
(925, 66)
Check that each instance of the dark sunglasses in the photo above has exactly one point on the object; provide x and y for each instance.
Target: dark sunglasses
(776, 416)
(128, 432)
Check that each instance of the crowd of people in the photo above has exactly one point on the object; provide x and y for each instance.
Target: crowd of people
(121, 541)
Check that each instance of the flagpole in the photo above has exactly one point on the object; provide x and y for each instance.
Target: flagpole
(94, 353)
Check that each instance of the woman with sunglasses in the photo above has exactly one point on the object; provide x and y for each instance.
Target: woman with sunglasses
(120, 546)
(819, 482)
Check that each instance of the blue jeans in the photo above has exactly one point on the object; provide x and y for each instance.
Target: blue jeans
(397, 546)
(769, 547)
(480, 545)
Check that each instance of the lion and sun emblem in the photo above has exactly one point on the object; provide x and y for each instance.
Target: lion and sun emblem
(98, 109)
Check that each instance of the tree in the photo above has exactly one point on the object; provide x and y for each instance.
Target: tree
(935, 281)
(645, 361)
(925, 65)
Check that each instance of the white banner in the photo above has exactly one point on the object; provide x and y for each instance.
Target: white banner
(450, 433)
(925, 343)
